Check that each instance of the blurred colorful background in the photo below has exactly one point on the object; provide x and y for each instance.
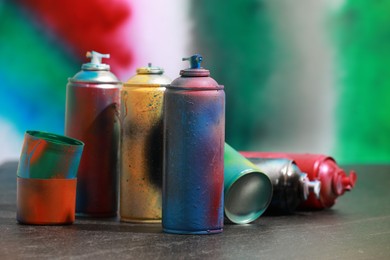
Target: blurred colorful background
(300, 76)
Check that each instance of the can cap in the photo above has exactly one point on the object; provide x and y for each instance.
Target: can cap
(149, 75)
(195, 77)
(248, 196)
(95, 71)
(247, 189)
(150, 70)
(195, 70)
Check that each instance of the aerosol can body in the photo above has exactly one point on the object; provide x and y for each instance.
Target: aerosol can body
(142, 146)
(194, 133)
(92, 116)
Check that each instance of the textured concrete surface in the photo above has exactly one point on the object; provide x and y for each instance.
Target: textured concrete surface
(357, 227)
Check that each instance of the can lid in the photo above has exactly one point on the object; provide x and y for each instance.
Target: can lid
(195, 70)
(148, 76)
(150, 70)
(95, 71)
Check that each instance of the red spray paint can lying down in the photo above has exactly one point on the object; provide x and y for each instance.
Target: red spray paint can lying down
(334, 180)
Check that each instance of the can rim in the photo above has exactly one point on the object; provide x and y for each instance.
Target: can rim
(261, 204)
(218, 87)
(94, 81)
(55, 139)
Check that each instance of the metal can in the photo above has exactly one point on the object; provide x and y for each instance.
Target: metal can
(47, 178)
(290, 185)
(49, 156)
(248, 191)
(194, 133)
(92, 116)
(334, 180)
(142, 146)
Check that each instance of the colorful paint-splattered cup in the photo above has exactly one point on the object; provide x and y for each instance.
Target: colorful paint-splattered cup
(49, 156)
(248, 191)
(46, 179)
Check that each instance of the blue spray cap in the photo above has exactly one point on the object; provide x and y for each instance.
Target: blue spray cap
(195, 61)
(195, 70)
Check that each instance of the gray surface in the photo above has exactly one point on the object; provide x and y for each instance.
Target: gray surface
(357, 227)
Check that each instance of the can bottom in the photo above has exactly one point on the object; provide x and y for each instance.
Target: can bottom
(45, 201)
(43, 223)
(96, 215)
(193, 232)
(138, 220)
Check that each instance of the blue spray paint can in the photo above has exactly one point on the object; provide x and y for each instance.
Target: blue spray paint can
(194, 135)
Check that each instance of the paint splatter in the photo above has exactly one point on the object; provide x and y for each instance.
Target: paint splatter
(85, 25)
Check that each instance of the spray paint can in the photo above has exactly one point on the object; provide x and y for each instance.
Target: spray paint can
(193, 175)
(290, 185)
(142, 146)
(248, 191)
(334, 180)
(92, 116)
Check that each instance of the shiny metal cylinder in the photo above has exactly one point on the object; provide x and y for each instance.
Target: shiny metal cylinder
(290, 185)
(248, 190)
(194, 132)
(142, 146)
(323, 168)
(92, 116)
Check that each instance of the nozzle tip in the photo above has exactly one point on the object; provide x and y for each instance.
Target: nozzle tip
(194, 60)
(315, 187)
(349, 181)
(310, 186)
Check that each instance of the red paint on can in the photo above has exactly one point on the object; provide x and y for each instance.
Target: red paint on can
(334, 180)
(46, 201)
(92, 116)
(38, 150)
(93, 119)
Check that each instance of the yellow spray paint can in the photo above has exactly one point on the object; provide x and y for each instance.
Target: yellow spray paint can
(142, 146)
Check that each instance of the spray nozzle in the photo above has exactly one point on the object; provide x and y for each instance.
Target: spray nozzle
(341, 182)
(195, 61)
(310, 186)
(314, 187)
(96, 61)
(96, 57)
(349, 181)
